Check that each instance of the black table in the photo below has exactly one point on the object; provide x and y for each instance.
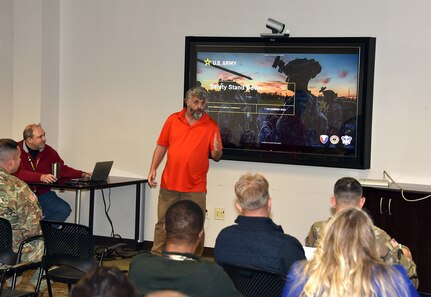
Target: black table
(112, 182)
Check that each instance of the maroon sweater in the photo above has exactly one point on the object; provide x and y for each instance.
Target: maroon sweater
(42, 165)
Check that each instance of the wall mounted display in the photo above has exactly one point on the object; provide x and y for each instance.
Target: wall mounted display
(304, 101)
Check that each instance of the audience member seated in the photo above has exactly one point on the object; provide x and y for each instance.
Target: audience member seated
(348, 194)
(18, 204)
(104, 282)
(347, 263)
(179, 268)
(37, 159)
(255, 241)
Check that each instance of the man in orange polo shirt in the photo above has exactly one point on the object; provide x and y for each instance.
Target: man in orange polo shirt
(188, 136)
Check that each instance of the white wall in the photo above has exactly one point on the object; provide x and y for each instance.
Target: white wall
(121, 74)
(6, 68)
(27, 64)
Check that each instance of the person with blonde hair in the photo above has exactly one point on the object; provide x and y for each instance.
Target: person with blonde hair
(348, 193)
(255, 241)
(347, 263)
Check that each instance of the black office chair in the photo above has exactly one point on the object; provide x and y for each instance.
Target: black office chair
(69, 248)
(11, 262)
(256, 283)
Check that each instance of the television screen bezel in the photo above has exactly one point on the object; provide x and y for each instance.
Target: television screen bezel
(365, 98)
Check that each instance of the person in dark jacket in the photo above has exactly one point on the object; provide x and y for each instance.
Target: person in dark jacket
(255, 241)
(179, 268)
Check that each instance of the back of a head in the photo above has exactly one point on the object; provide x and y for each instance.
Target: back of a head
(104, 282)
(8, 149)
(347, 191)
(252, 191)
(349, 235)
(346, 262)
(184, 221)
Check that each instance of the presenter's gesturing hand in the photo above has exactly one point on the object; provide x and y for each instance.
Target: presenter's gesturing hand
(217, 152)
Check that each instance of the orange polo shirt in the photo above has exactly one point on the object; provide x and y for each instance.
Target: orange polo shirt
(189, 148)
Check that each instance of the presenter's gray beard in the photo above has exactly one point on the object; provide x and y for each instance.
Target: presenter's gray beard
(197, 114)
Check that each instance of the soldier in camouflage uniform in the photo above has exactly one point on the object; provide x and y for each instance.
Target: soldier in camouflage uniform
(348, 193)
(18, 204)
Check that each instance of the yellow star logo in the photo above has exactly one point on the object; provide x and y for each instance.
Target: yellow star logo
(207, 62)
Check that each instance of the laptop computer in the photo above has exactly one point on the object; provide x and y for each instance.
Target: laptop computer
(100, 174)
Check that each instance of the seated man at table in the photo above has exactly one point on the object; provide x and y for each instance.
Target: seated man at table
(255, 242)
(37, 158)
(179, 268)
(348, 194)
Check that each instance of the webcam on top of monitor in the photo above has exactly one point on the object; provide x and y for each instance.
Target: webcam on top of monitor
(276, 28)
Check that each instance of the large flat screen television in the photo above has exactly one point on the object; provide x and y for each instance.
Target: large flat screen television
(305, 101)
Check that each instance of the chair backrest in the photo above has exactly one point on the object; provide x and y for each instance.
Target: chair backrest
(256, 283)
(7, 255)
(67, 244)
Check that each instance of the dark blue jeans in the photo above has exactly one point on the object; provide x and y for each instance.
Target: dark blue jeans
(53, 207)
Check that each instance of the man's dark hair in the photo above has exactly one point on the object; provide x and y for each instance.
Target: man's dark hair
(347, 190)
(8, 147)
(184, 221)
(104, 282)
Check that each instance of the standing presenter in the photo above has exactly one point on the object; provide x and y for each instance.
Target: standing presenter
(189, 137)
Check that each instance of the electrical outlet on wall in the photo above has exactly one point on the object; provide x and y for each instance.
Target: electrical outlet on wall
(218, 213)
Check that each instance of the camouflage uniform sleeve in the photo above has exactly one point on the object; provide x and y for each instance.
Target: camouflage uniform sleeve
(314, 234)
(393, 254)
(26, 224)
